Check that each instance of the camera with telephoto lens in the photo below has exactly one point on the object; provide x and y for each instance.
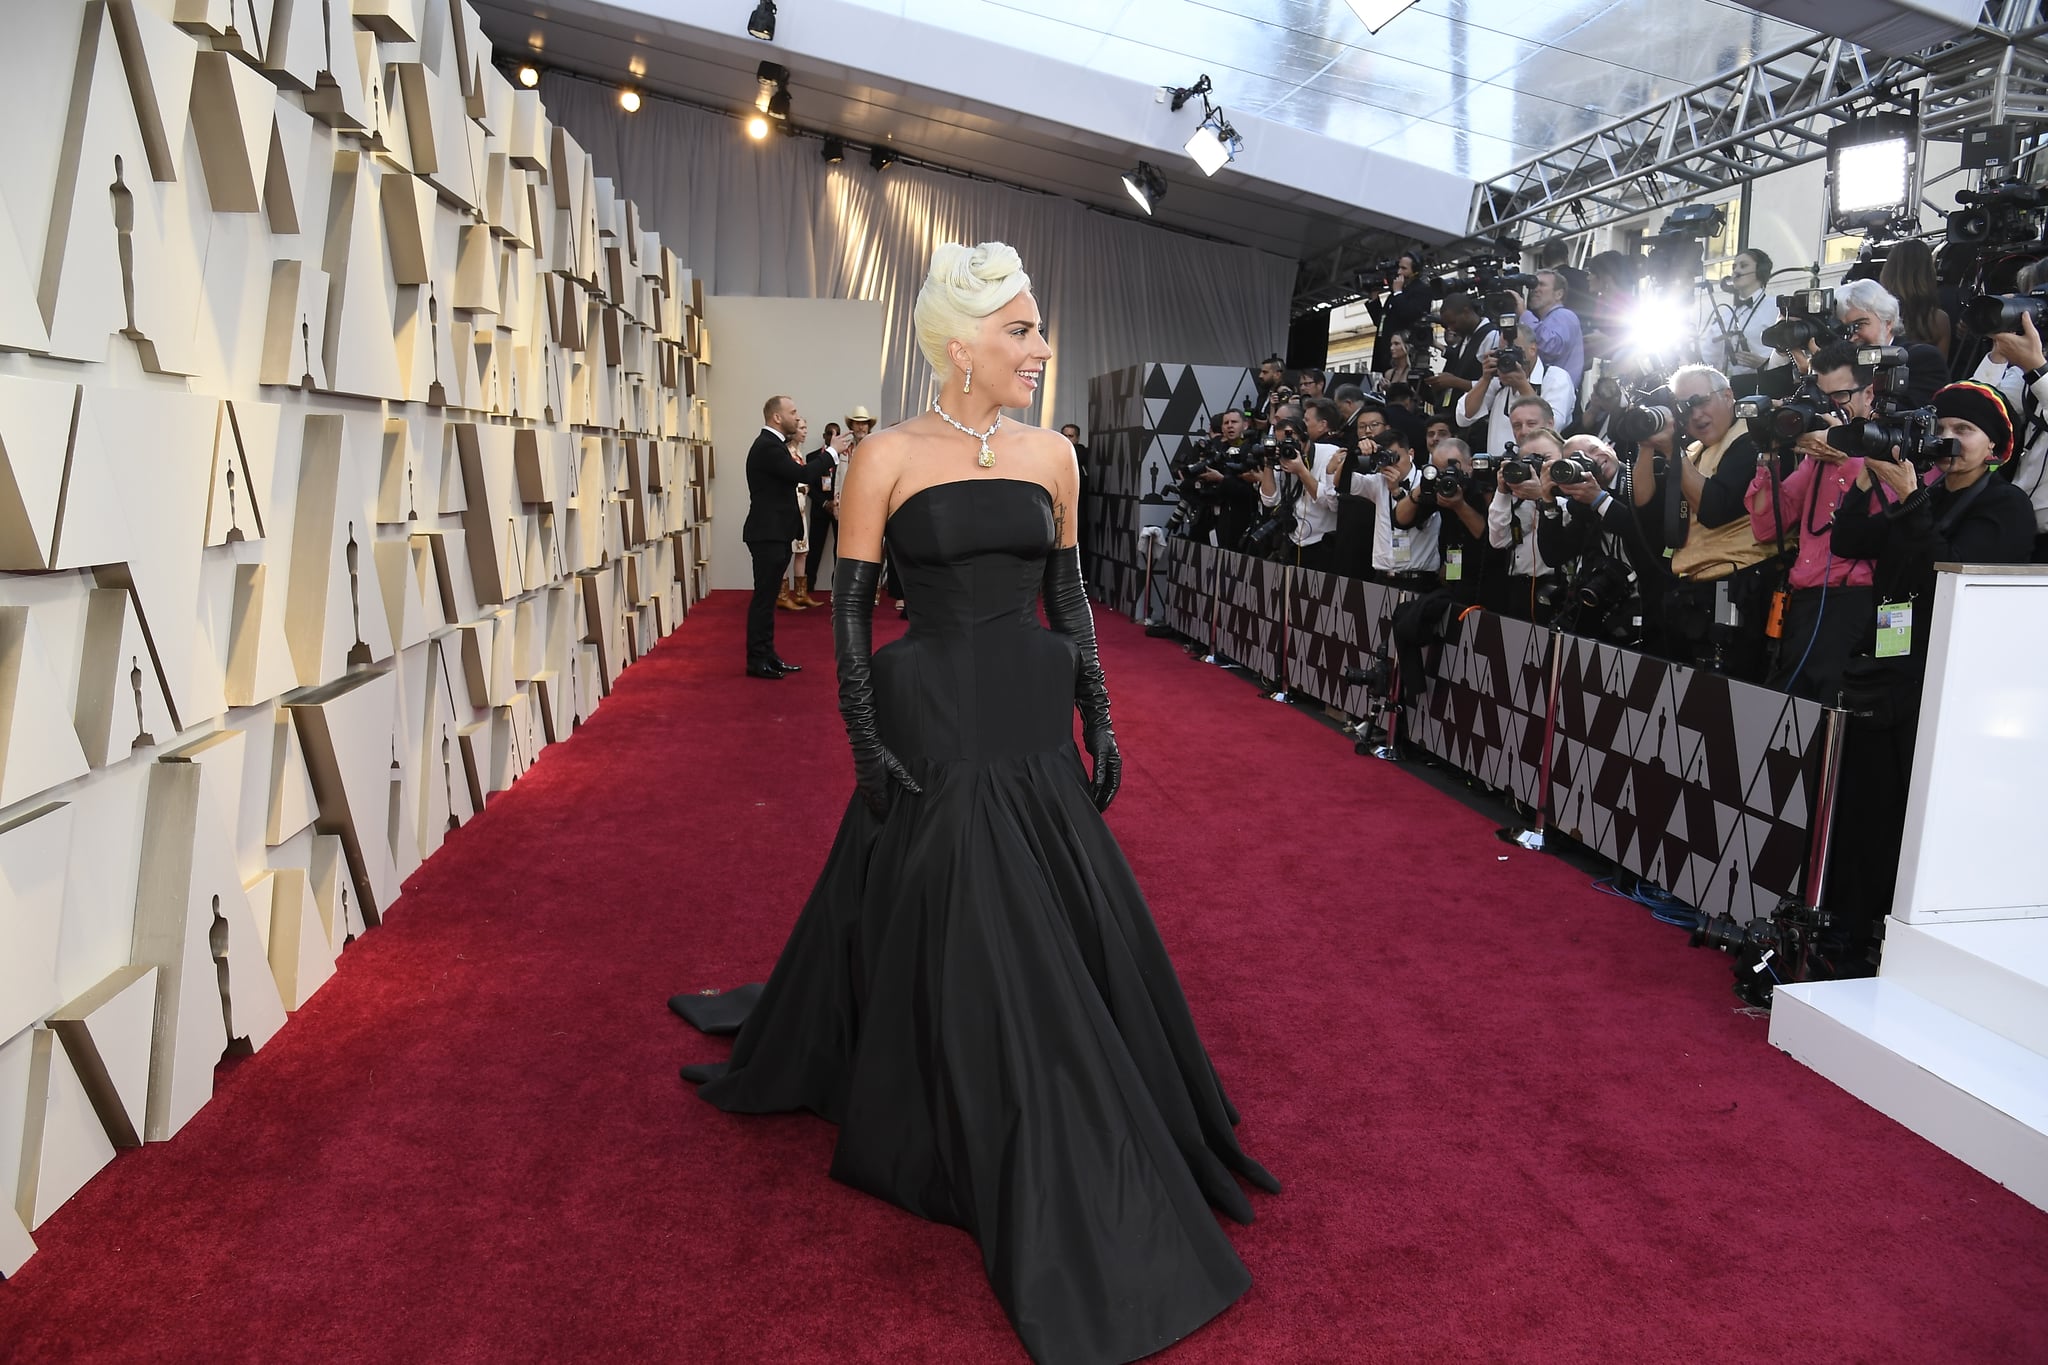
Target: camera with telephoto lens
(1601, 600)
(1794, 943)
(1912, 432)
(1569, 471)
(1778, 426)
(1992, 314)
(1804, 317)
(1514, 469)
(2005, 214)
(1378, 458)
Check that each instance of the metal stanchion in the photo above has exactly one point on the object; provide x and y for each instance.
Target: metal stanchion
(1150, 536)
(1531, 838)
(1215, 605)
(1823, 810)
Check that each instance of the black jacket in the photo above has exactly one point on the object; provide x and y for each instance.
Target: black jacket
(816, 468)
(772, 479)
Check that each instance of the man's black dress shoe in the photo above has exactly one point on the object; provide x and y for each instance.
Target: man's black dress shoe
(768, 671)
(788, 667)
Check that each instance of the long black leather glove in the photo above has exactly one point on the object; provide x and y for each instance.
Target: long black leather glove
(875, 769)
(1066, 609)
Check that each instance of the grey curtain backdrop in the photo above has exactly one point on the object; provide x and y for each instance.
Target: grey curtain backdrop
(773, 219)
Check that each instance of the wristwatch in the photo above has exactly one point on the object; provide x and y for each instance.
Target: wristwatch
(2033, 376)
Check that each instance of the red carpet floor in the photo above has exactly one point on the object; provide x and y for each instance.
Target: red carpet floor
(1517, 1120)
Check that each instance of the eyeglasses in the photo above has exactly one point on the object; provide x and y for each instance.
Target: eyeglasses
(1840, 397)
(1688, 406)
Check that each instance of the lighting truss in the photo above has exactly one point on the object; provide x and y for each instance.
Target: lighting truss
(1772, 114)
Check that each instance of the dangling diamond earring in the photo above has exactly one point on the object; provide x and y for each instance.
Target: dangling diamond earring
(967, 384)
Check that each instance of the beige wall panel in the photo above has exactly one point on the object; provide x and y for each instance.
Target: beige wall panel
(301, 955)
(119, 704)
(327, 875)
(234, 111)
(100, 876)
(345, 728)
(409, 208)
(359, 340)
(402, 777)
(254, 1011)
(214, 17)
(14, 1068)
(188, 1031)
(254, 429)
(158, 61)
(402, 575)
(106, 1033)
(21, 321)
(224, 757)
(294, 353)
(35, 439)
(155, 449)
(63, 1144)
(33, 849)
(336, 98)
(96, 209)
(16, 1246)
(292, 806)
(38, 747)
(294, 42)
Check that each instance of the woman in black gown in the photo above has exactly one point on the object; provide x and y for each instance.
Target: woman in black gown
(975, 991)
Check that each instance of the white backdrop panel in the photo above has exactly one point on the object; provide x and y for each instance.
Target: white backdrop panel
(774, 219)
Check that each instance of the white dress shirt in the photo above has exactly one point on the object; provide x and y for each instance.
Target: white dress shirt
(1504, 516)
(1550, 382)
(1315, 508)
(1398, 549)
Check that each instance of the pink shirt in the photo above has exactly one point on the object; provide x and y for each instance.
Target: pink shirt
(1807, 499)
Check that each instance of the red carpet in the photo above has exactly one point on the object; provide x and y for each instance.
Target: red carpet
(1517, 1120)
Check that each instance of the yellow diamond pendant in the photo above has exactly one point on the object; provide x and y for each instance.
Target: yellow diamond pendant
(988, 457)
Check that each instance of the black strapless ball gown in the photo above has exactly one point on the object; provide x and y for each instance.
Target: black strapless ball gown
(975, 991)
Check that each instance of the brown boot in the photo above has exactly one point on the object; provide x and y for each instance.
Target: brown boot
(786, 600)
(803, 591)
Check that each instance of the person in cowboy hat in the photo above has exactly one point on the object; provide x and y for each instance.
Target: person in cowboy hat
(821, 477)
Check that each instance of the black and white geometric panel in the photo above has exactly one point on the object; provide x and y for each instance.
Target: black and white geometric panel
(1190, 585)
(1696, 782)
(1484, 706)
(1138, 420)
(1250, 611)
(1335, 623)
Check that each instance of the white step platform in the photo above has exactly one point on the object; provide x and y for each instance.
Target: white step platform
(1940, 1041)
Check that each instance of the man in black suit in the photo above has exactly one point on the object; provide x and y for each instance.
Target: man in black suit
(1469, 335)
(773, 524)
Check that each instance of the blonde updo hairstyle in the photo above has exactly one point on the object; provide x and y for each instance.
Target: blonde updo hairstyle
(964, 285)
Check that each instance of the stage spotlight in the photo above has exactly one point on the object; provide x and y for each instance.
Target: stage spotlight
(1870, 170)
(1215, 144)
(778, 104)
(1146, 186)
(529, 76)
(757, 127)
(1377, 14)
(834, 150)
(629, 100)
(761, 23)
(881, 158)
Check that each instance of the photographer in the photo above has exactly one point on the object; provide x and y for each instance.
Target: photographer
(1311, 384)
(1468, 336)
(1966, 515)
(1356, 439)
(1404, 542)
(1508, 375)
(1560, 340)
(1314, 494)
(1598, 540)
(2022, 353)
(1523, 498)
(1871, 314)
(1220, 503)
(1831, 611)
(1465, 555)
(1714, 613)
(1399, 312)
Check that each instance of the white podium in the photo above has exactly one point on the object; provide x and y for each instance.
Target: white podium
(1951, 1037)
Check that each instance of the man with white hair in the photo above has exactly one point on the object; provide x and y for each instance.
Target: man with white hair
(1871, 314)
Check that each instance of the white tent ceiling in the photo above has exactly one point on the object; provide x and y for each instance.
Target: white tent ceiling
(1342, 128)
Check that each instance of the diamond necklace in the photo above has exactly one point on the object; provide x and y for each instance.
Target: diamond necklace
(987, 459)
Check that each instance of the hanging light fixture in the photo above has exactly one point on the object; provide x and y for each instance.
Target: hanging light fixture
(1145, 185)
(834, 150)
(881, 158)
(529, 75)
(757, 127)
(629, 100)
(761, 23)
(1870, 170)
(1374, 14)
(1215, 144)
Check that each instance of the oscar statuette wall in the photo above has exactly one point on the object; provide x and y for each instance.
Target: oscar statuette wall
(352, 441)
